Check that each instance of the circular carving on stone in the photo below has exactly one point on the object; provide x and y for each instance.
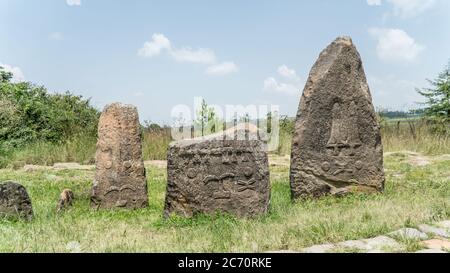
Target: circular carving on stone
(248, 172)
(108, 164)
(358, 165)
(326, 166)
(127, 164)
(191, 173)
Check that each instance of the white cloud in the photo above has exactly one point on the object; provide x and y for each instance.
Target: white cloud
(405, 8)
(18, 75)
(205, 56)
(222, 69)
(288, 73)
(410, 8)
(153, 48)
(270, 84)
(201, 55)
(395, 45)
(73, 2)
(374, 2)
(291, 87)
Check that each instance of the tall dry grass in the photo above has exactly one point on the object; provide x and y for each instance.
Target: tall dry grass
(155, 144)
(415, 135)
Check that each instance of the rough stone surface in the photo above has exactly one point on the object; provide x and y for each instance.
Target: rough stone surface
(354, 244)
(336, 146)
(65, 200)
(383, 243)
(437, 244)
(319, 248)
(120, 174)
(373, 245)
(211, 175)
(409, 233)
(434, 230)
(15, 201)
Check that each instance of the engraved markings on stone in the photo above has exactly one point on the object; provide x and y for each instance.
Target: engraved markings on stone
(223, 185)
(337, 149)
(343, 143)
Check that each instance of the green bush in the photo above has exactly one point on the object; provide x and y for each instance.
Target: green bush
(29, 114)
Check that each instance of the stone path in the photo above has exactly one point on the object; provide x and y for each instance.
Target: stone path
(431, 238)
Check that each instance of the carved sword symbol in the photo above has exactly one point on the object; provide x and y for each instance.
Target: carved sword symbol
(246, 185)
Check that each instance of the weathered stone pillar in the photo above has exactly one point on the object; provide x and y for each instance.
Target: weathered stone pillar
(120, 174)
(336, 146)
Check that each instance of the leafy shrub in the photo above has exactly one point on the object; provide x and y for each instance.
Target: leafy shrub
(29, 113)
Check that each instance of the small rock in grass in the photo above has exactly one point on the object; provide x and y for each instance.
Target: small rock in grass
(319, 248)
(354, 244)
(383, 243)
(409, 233)
(65, 200)
(435, 231)
(15, 201)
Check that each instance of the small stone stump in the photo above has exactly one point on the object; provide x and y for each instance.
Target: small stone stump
(15, 201)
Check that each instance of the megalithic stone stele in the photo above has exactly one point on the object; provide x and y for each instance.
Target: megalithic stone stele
(218, 173)
(120, 174)
(336, 148)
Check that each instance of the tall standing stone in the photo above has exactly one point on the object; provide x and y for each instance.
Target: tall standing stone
(15, 201)
(212, 175)
(120, 174)
(336, 146)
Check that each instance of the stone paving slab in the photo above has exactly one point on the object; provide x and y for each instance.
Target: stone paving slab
(378, 244)
(354, 244)
(437, 244)
(319, 248)
(441, 232)
(383, 243)
(388, 243)
(409, 234)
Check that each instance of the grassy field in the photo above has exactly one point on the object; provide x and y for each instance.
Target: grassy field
(417, 191)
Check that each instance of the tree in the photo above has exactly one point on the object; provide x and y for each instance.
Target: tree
(207, 120)
(5, 76)
(438, 97)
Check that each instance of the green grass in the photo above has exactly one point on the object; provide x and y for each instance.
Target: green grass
(79, 149)
(413, 195)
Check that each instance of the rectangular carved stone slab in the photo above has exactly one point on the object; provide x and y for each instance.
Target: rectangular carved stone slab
(120, 174)
(208, 176)
(336, 146)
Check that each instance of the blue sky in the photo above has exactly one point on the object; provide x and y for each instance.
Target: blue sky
(157, 54)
